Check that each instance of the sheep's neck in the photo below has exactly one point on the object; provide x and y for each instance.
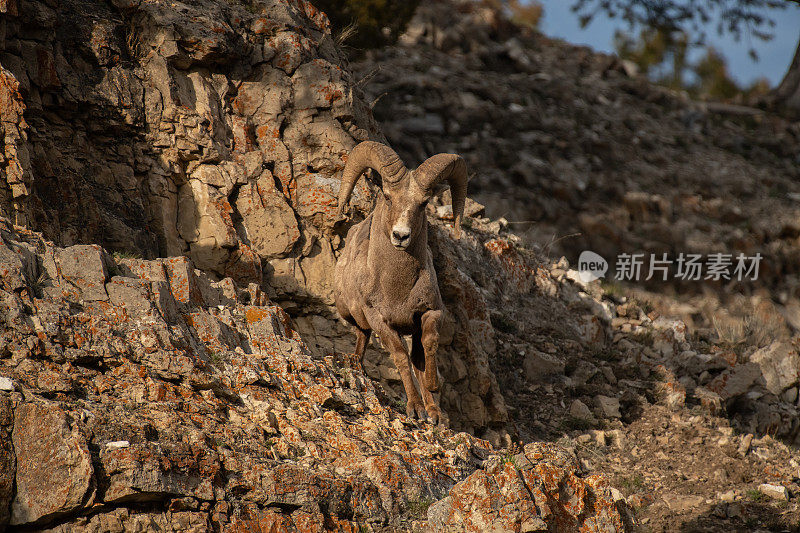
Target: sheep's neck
(396, 268)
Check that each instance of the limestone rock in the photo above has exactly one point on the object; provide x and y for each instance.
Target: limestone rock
(736, 381)
(776, 492)
(137, 473)
(189, 136)
(607, 407)
(7, 459)
(584, 371)
(509, 496)
(268, 221)
(780, 365)
(14, 150)
(84, 268)
(538, 365)
(578, 409)
(54, 468)
(592, 332)
(12, 270)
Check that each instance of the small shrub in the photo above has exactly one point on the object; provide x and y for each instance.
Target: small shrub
(612, 289)
(632, 484)
(216, 358)
(419, 508)
(754, 495)
(119, 255)
(37, 286)
(574, 423)
(375, 23)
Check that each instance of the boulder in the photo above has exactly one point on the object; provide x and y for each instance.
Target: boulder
(607, 407)
(780, 365)
(578, 409)
(146, 472)
(512, 496)
(538, 365)
(735, 381)
(84, 267)
(776, 492)
(54, 474)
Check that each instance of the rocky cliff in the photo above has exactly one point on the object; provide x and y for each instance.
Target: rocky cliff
(169, 357)
(576, 151)
(168, 174)
(212, 130)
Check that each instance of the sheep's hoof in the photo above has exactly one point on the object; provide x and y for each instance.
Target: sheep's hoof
(416, 410)
(435, 415)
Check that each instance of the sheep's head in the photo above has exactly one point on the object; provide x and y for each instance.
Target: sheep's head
(405, 193)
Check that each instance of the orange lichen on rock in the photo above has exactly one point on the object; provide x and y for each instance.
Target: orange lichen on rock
(513, 265)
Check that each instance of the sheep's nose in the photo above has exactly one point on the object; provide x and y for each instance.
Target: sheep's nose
(401, 234)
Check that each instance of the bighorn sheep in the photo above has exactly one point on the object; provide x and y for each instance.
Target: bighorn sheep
(384, 279)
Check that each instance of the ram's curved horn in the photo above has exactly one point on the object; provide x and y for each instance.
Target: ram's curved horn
(452, 169)
(374, 155)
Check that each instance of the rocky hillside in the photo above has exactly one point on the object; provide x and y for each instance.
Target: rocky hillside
(578, 152)
(575, 151)
(211, 130)
(169, 356)
(177, 393)
(142, 395)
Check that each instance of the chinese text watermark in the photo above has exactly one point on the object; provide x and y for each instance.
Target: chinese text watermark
(686, 267)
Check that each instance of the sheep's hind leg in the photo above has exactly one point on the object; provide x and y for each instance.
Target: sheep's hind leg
(392, 342)
(434, 413)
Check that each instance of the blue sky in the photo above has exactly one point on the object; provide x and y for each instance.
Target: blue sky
(774, 55)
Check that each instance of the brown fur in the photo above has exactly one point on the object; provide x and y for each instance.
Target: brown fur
(385, 280)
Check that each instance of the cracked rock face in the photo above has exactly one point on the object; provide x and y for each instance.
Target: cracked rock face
(216, 131)
(7, 459)
(206, 129)
(148, 397)
(54, 467)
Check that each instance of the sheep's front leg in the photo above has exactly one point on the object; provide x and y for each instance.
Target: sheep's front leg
(392, 342)
(430, 344)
